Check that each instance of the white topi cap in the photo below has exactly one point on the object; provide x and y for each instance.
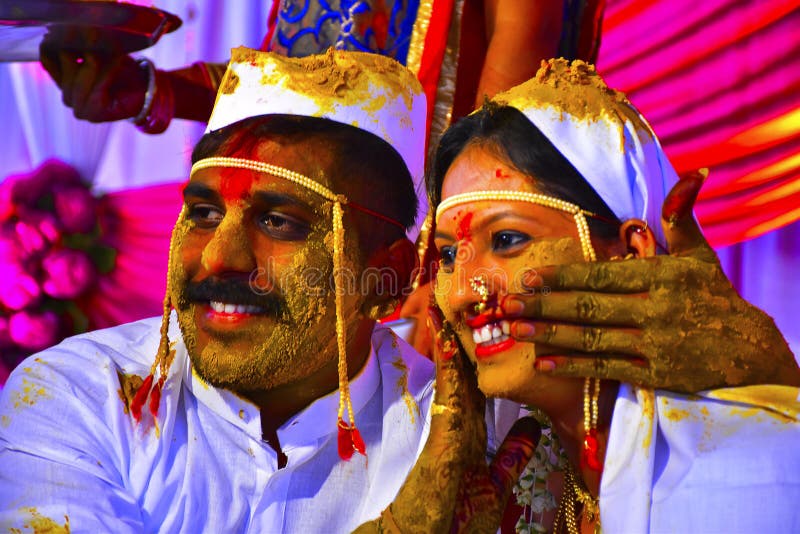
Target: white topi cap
(600, 132)
(371, 92)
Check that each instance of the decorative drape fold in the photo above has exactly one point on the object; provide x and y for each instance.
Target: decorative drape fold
(720, 83)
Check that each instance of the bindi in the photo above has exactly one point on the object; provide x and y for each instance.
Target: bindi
(498, 173)
(235, 184)
(464, 231)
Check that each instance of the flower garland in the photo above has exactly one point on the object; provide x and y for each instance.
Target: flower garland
(50, 256)
(531, 491)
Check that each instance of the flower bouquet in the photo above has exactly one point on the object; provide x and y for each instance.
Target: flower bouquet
(50, 256)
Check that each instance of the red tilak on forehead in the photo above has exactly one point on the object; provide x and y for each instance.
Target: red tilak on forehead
(498, 173)
(464, 231)
(235, 184)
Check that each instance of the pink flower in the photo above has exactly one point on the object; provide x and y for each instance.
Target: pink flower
(5, 336)
(9, 246)
(34, 330)
(21, 289)
(31, 240)
(29, 187)
(75, 208)
(40, 222)
(67, 273)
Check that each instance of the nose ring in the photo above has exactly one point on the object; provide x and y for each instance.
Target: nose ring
(480, 285)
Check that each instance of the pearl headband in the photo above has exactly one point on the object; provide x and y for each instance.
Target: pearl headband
(533, 198)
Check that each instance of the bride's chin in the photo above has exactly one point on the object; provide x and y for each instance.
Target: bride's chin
(508, 382)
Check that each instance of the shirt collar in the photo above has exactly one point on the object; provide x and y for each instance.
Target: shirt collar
(312, 423)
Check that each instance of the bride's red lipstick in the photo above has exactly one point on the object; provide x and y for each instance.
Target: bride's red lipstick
(484, 351)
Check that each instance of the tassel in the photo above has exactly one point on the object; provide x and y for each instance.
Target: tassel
(155, 397)
(349, 440)
(590, 453)
(141, 395)
(358, 442)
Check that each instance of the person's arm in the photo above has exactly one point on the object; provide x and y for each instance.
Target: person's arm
(520, 34)
(668, 322)
(110, 87)
(451, 488)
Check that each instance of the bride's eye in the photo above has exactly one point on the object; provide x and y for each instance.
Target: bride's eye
(508, 239)
(447, 256)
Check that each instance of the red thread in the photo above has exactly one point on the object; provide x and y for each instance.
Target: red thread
(141, 395)
(380, 216)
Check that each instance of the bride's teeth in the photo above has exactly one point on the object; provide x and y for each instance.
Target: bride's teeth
(217, 306)
(486, 334)
(506, 327)
(229, 308)
(496, 332)
(476, 337)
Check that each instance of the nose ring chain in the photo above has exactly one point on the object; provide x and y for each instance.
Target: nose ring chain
(480, 285)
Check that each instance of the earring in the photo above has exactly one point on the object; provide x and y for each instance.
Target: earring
(480, 285)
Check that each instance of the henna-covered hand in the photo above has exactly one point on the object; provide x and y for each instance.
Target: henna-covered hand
(451, 488)
(670, 322)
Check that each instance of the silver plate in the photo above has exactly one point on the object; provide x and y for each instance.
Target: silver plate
(79, 26)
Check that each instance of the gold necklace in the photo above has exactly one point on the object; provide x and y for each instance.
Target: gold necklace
(567, 519)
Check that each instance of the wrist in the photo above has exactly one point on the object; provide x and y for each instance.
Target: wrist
(158, 107)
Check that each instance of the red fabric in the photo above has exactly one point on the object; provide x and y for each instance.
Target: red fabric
(271, 23)
(430, 65)
(720, 82)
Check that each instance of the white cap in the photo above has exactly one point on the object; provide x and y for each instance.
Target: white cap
(371, 92)
(604, 137)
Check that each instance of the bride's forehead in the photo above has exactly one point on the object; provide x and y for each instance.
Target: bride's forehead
(479, 169)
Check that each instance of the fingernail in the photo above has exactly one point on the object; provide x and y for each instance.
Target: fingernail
(512, 306)
(521, 329)
(545, 365)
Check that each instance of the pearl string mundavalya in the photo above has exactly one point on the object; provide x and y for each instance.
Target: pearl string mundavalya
(338, 255)
(268, 168)
(590, 409)
(534, 198)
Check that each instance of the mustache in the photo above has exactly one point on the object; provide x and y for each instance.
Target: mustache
(236, 291)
